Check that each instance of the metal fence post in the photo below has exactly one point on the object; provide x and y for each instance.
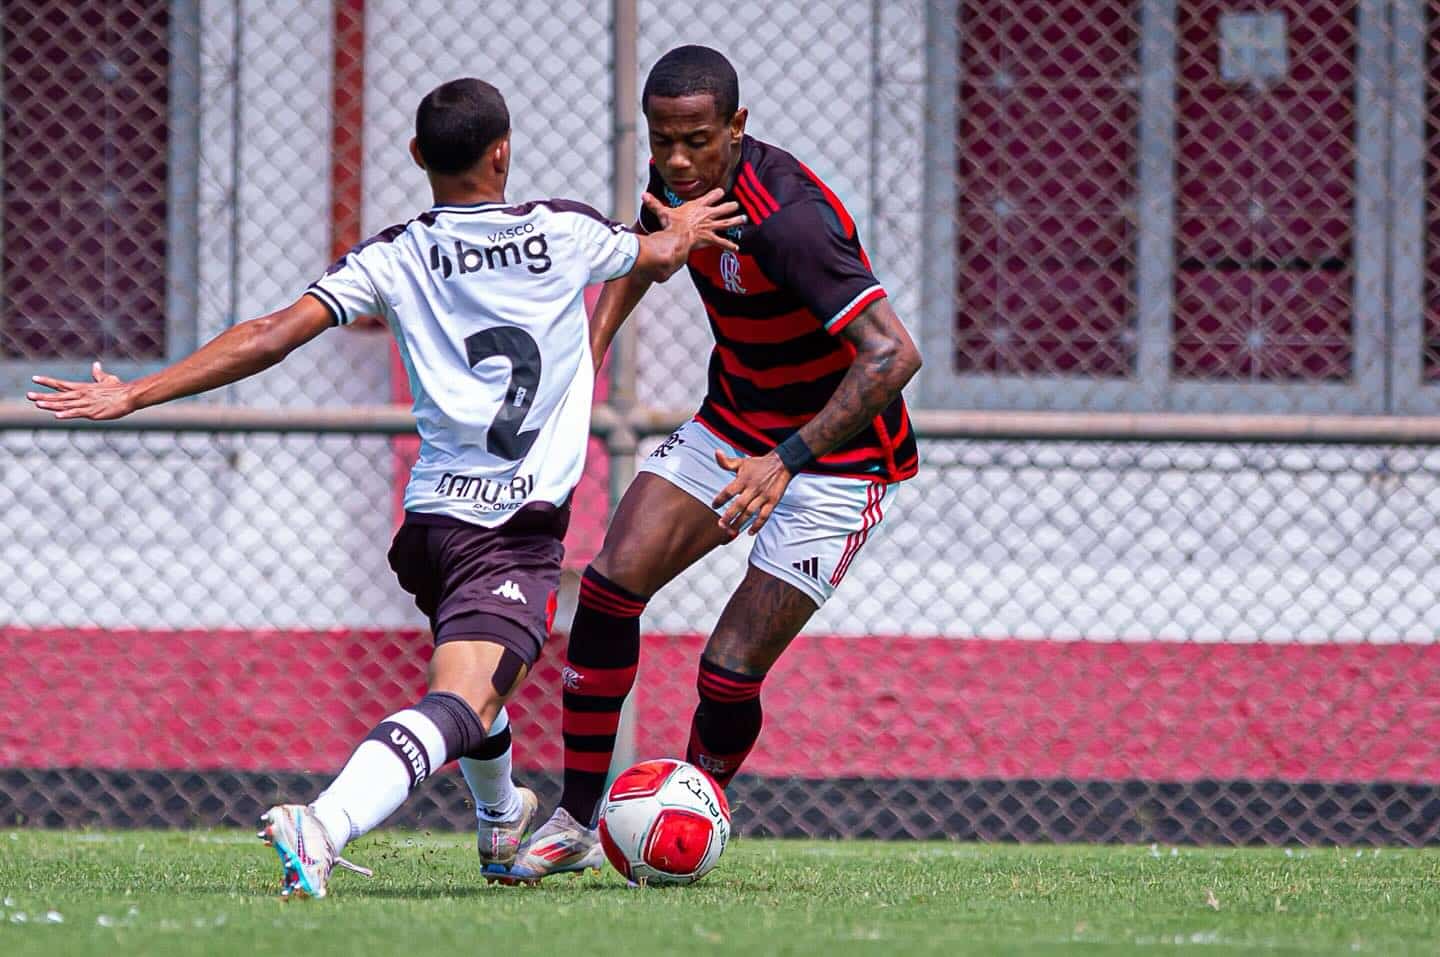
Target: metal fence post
(621, 442)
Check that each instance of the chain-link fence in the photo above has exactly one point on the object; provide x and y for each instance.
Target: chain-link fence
(1157, 640)
(1086, 205)
(1145, 205)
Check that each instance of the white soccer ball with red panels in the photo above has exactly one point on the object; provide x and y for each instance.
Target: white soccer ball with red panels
(664, 822)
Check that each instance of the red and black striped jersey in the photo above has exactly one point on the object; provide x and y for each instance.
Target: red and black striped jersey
(777, 307)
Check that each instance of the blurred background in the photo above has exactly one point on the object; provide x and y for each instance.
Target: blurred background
(1169, 571)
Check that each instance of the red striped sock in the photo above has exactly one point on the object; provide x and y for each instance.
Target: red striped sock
(727, 721)
(600, 665)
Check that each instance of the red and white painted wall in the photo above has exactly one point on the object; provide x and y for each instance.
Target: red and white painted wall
(1028, 612)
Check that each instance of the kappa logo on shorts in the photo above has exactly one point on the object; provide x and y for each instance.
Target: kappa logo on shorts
(511, 591)
(809, 566)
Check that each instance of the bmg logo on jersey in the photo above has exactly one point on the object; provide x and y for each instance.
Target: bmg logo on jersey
(533, 254)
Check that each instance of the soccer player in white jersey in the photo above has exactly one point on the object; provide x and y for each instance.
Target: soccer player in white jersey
(485, 300)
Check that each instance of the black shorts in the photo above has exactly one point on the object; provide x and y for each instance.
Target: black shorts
(491, 584)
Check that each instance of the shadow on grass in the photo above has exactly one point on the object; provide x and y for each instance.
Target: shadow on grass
(551, 893)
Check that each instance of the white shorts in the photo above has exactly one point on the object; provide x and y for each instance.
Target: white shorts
(814, 533)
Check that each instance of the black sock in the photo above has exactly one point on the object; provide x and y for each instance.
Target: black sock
(459, 725)
(599, 672)
(727, 721)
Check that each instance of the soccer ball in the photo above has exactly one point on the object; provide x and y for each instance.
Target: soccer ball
(664, 822)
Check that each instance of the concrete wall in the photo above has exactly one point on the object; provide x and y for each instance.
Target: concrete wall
(992, 540)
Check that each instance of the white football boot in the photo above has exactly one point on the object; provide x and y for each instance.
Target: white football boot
(306, 854)
(499, 841)
(562, 845)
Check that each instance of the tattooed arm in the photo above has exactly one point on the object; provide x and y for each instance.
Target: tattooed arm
(885, 360)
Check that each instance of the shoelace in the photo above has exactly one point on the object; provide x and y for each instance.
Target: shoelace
(340, 861)
(568, 839)
(351, 866)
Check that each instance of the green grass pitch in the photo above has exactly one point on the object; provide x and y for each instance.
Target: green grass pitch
(213, 892)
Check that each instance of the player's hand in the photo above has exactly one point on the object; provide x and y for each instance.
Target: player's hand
(759, 483)
(105, 398)
(702, 221)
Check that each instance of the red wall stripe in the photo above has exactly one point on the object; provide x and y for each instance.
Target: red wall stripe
(885, 707)
(912, 707)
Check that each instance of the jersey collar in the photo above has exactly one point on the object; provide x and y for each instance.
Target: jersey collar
(468, 207)
(748, 151)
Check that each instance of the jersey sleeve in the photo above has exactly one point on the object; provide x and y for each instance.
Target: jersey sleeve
(609, 248)
(347, 288)
(805, 248)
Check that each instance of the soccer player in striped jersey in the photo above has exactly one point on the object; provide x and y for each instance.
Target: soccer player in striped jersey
(800, 439)
(485, 300)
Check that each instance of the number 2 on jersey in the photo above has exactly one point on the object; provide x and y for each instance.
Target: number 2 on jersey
(504, 437)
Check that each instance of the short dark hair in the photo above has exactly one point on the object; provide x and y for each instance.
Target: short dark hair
(457, 122)
(692, 71)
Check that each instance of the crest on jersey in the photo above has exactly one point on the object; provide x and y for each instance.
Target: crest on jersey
(730, 272)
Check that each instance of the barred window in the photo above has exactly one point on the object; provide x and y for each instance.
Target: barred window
(1265, 197)
(1164, 206)
(92, 161)
(1047, 146)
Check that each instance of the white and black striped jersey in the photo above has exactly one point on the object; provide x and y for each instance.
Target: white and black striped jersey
(487, 305)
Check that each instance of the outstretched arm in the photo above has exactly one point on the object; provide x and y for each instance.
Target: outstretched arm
(700, 222)
(238, 352)
(617, 300)
(885, 360)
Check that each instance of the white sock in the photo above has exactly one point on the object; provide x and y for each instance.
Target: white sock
(490, 782)
(396, 757)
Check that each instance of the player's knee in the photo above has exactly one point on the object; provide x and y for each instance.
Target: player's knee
(462, 727)
(739, 650)
(728, 675)
(622, 567)
(484, 702)
(482, 658)
(604, 562)
(483, 686)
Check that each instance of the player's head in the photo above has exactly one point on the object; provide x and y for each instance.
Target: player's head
(692, 107)
(462, 128)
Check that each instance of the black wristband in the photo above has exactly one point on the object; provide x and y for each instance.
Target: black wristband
(794, 454)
